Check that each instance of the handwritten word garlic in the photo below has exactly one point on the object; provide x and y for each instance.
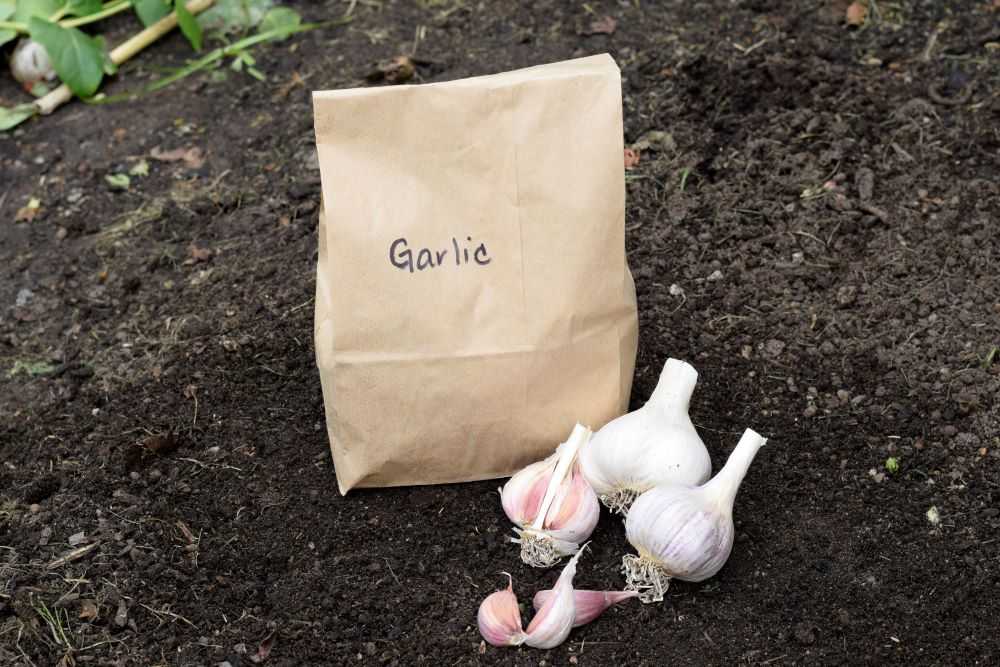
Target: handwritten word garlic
(656, 444)
(552, 504)
(30, 63)
(499, 618)
(684, 532)
(589, 604)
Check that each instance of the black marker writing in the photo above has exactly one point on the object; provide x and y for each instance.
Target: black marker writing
(402, 256)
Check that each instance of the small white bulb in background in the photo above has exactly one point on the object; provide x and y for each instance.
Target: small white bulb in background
(684, 532)
(30, 63)
(656, 444)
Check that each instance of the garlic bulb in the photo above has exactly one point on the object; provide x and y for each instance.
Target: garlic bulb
(589, 604)
(30, 63)
(685, 532)
(656, 444)
(552, 504)
(499, 618)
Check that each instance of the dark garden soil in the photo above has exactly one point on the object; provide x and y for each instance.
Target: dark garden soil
(817, 234)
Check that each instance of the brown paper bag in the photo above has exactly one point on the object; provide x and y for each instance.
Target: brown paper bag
(472, 297)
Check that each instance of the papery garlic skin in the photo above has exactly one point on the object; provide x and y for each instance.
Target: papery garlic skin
(589, 604)
(499, 617)
(30, 63)
(684, 532)
(656, 444)
(552, 504)
(554, 620)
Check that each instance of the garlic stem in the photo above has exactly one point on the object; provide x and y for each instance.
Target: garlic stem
(673, 391)
(726, 484)
(567, 454)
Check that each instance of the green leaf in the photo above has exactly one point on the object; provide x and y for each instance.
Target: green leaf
(281, 19)
(27, 9)
(108, 65)
(141, 168)
(32, 368)
(7, 9)
(14, 116)
(83, 7)
(150, 11)
(76, 58)
(227, 16)
(118, 181)
(189, 26)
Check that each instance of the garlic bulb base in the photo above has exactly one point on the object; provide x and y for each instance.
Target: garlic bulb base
(620, 501)
(645, 577)
(541, 550)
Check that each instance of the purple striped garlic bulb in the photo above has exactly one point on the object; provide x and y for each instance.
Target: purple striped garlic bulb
(685, 532)
(552, 505)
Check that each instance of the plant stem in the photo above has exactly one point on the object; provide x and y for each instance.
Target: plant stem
(13, 25)
(123, 52)
(109, 9)
(59, 13)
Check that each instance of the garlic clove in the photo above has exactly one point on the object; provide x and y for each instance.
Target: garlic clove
(589, 604)
(684, 532)
(656, 444)
(553, 621)
(522, 495)
(575, 509)
(499, 617)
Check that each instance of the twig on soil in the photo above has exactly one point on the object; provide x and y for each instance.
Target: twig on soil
(391, 572)
(75, 554)
(931, 43)
(61, 95)
(810, 236)
(874, 210)
(165, 612)
(745, 50)
(934, 92)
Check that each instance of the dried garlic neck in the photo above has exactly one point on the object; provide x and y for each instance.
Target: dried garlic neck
(646, 577)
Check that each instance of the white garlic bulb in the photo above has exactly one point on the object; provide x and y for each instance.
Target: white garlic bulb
(30, 63)
(499, 617)
(552, 505)
(685, 532)
(656, 444)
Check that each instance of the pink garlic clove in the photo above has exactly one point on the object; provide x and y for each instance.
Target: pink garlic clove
(522, 495)
(576, 509)
(499, 617)
(553, 621)
(589, 604)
